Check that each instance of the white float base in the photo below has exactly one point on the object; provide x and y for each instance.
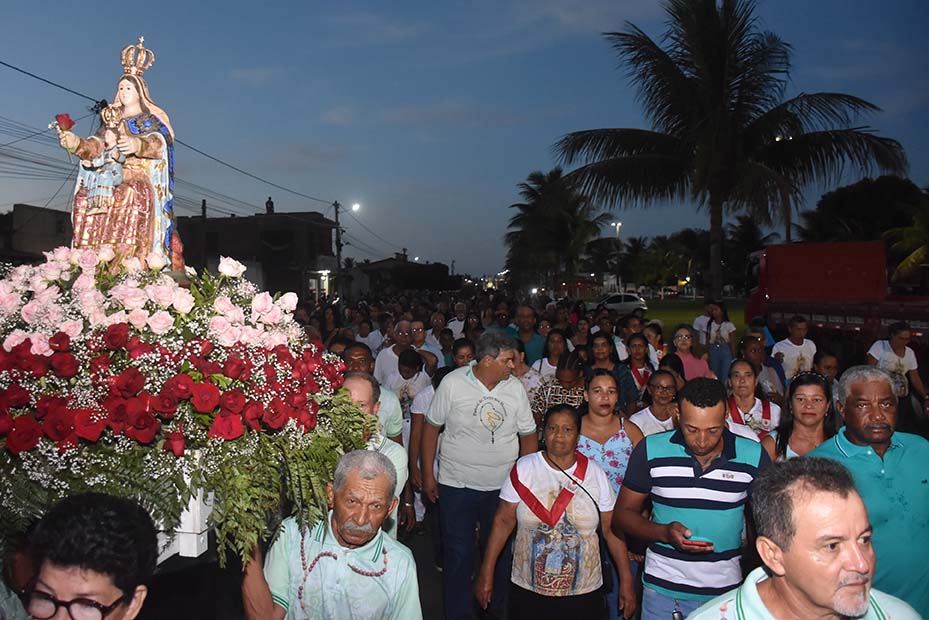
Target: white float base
(190, 540)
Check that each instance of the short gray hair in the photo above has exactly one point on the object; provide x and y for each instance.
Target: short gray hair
(493, 342)
(369, 465)
(857, 374)
(375, 386)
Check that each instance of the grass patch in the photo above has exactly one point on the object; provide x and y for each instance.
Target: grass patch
(673, 312)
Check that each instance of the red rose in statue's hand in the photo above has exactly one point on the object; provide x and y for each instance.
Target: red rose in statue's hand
(233, 400)
(174, 442)
(60, 342)
(88, 424)
(65, 365)
(64, 122)
(204, 397)
(180, 385)
(143, 426)
(227, 427)
(59, 423)
(24, 435)
(130, 382)
(116, 336)
(17, 396)
(252, 414)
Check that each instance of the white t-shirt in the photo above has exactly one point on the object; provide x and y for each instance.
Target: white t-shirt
(719, 333)
(482, 429)
(407, 389)
(896, 366)
(548, 560)
(621, 350)
(530, 380)
(797, 358)
(700, 324)
(741, 430)
(373, 340)
(420, 406)
(457, 327)
(545, 369)
(754, 417)
(385, 365)
(649, 424)
(389, 414)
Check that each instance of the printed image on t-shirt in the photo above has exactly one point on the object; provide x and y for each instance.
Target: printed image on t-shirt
(555, 555)
(491, 412)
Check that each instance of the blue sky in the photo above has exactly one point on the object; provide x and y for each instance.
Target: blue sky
(428, 114)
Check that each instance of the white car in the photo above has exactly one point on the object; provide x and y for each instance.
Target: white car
(622, 303)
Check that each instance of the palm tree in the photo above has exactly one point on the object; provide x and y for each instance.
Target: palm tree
(722, 134)
(913, 241)
(552, 227)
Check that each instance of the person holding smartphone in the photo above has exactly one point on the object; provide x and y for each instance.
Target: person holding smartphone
(697, 478)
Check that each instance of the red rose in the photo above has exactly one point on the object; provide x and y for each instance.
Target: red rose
(306, 420)
(252, 414)
(143, 426)
(204, 397)
(17, 396)
(64, 122)
(116, 336)
(68, 443)
(130, 382)
(117, 417)
(100, 364)
(174, 442)
(7, 361)
(59, 423)
(24, 435)
(227, 427)
(35, 365)
(202, 347)
(6, 423)
(234, 366)
(311, 385)
(180, 386)
(65, 365)
(23, 350)
(88, 424)
(296, 400)
(137, 348)
(60, 342)
(283, 354)
(233, 400)
(275, 416)
(165, 403)
(46, 404)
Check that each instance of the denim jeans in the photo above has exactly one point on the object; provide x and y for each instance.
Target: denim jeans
(460, 509)
(657, 606)
(720, 359)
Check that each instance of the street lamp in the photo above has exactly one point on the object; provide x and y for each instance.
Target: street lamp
(618, 226)
(355, 207)
(336, 207)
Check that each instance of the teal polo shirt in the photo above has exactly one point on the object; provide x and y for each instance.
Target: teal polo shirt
(533, 348)
(895, 491)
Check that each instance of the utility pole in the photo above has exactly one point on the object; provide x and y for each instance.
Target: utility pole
(338, 246)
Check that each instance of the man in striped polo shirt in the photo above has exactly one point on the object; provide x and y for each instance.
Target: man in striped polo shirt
(698, 480)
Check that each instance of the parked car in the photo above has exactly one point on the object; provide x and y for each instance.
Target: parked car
(622, 303)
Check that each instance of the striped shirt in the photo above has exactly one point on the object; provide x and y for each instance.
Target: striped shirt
(711, 503)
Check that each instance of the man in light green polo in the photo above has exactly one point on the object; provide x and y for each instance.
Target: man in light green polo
(814, 538)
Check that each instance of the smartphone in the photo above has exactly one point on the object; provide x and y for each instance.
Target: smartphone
(698, 541)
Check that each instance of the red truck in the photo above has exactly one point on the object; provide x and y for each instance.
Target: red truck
(841, 288)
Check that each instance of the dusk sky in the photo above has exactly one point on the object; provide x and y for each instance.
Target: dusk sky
(429, 113)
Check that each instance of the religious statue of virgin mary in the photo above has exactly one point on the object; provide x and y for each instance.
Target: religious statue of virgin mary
(139, 219)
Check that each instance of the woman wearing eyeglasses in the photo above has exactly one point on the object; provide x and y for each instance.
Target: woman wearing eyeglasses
(807, 420)
(658, 417)
(684, 345)
(556, 499)
(95, 554)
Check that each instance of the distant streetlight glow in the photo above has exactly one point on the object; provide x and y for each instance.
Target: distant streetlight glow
(535, 291)
(415, 259)
(356, 206)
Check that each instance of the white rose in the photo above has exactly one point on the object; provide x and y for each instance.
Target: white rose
(288, 302)
(155, 261)
(230, 267)
(183, 301)
(161, 322)
(132, 264)
(261, 304)
(190, 271)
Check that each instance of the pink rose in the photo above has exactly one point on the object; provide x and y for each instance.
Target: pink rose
(61, 254)
(73, 328)
(288, 302)
(183, 301)
(17, 336)
(161, 294)
(273, 316)
(105, 253)
(87, 260)
(273, 339)
(138, 318)
(236, 316)
(155, 261)
(83, 282)
(230, 267)
(38, 283)
(251, 336)
(9, 303)
(132, 264)
(223, 305)
(96, 317)
(117, 317)
(50, 271)
(261, 304)
(40, 345)
(48, 295)
(161, 322)
(29, 311)
(130, 297)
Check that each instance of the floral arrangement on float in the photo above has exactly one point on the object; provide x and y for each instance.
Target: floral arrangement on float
(115, 378)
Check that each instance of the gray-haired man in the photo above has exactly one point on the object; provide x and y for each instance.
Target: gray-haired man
(345, 566)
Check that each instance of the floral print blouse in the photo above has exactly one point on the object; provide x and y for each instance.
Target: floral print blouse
(612, 456)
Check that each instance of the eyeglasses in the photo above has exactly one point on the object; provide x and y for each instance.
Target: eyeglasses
(42, 606)
(663, 388)
(399, 333)
(683, 337)
(417, 330)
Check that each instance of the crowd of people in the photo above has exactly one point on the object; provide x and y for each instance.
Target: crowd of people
(573, 462)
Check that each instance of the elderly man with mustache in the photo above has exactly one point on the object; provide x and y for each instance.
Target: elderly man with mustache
(889, 469)
(345, 566)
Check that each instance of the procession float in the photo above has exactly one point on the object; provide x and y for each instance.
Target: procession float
(124, 371)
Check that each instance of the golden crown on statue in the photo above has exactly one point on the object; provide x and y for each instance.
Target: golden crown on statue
(136, 58)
